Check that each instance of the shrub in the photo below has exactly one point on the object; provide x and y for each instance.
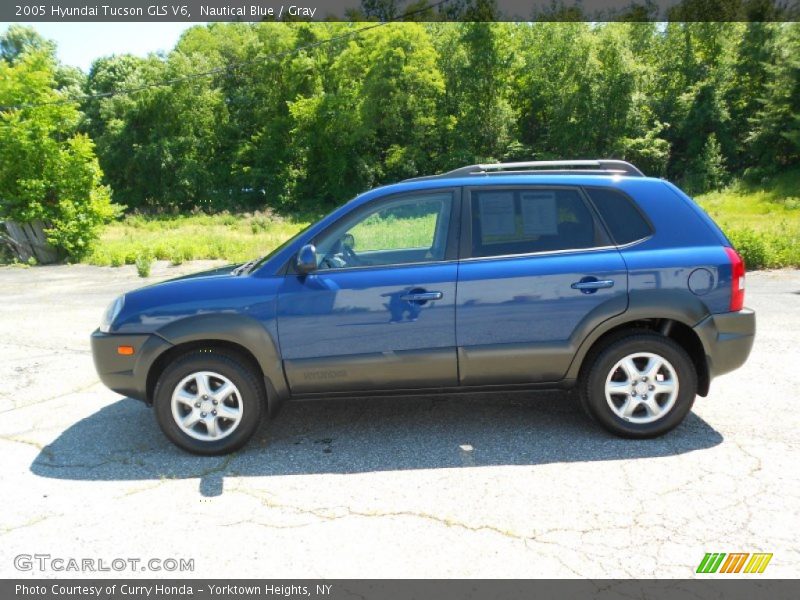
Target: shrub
(143, 264)
(752, 247)
(259, 225)
(48, 172)
(784, 248)
(791, 203)
(229, 220)
(176, 257)
(117, 259)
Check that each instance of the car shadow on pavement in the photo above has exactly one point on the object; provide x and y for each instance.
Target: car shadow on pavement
(123, 442)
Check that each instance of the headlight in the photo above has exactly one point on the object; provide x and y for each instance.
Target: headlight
(111, 313)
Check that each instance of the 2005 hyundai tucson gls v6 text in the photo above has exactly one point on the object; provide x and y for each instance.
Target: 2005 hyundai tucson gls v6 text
(557, 274)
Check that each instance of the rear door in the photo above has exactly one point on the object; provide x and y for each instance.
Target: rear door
(537, 272)
(379, 313)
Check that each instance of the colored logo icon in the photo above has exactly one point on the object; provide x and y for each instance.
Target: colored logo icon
(735, 562)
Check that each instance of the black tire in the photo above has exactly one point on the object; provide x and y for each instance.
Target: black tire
(239, 371)
(599, 366)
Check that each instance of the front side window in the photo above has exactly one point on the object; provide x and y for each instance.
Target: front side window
(523, 221)
(402, 230)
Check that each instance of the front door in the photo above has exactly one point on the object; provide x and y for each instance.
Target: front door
(379, 312)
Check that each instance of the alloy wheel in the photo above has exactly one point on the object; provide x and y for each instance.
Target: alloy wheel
(206, 406)
(641, 387)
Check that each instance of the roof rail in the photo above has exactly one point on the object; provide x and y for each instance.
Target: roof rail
(561, 167)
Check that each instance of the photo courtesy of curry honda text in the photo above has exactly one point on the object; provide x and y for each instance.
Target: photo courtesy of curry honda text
(558, 274)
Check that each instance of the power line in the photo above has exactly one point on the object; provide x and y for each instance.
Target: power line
(219, 70)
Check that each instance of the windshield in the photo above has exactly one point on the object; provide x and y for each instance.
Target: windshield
(257, 264)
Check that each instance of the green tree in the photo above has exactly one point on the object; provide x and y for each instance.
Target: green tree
(257, 135)
(755, 52)
(694, 72)
(398, 100)
(551, 87)
(477, 62)
(48, 171)
(159, 144)
(304, 115)
(707, 170)
(115, 124)
(19, 39)
(775, 133)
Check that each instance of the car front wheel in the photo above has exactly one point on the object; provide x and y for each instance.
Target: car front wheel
(640, 386)
(209, 402)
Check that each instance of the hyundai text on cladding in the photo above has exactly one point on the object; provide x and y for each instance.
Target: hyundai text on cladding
(46, 562)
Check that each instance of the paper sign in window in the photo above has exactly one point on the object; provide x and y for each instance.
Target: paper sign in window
(539, 213)
(497, 213)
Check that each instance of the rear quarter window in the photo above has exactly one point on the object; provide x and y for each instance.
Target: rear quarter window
(625, 222)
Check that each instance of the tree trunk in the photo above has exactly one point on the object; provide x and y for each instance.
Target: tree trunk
(28, 240)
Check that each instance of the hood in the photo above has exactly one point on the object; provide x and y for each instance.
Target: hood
(215, 272)
(216, 290)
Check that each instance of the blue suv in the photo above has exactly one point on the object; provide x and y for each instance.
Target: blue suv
(581, 275)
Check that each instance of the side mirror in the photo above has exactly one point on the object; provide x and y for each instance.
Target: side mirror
(307, 259)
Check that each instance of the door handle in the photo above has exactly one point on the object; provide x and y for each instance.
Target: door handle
(590, 285)
(421, 296)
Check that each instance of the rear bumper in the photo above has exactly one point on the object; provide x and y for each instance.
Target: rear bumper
(126, 375)
(727, 339)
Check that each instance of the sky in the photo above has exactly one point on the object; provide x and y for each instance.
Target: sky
(79, 44)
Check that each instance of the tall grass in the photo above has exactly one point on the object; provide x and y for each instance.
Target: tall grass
(192, 237)
(236, 237)
(762, 220)
(394, 233)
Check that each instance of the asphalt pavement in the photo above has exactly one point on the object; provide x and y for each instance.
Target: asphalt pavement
(505, 485)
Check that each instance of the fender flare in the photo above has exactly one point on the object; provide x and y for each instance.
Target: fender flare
(241, 330)
(676, 305)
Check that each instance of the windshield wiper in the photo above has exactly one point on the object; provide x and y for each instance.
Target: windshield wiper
(244, 268)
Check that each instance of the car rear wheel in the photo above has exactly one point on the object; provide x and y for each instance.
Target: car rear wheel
(639, 386)
(209, 402)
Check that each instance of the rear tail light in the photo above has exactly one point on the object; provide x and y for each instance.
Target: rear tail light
(737, 279)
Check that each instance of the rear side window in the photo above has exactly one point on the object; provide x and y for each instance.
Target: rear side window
(625, 223)
(523, 221)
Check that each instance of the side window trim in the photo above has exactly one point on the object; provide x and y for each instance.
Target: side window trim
(465, 249)
(451, 244)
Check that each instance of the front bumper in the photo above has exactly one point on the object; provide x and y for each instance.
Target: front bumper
(727, 339)
(126, 375)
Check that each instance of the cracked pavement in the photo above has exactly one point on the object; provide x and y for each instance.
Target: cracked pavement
(505, 485)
